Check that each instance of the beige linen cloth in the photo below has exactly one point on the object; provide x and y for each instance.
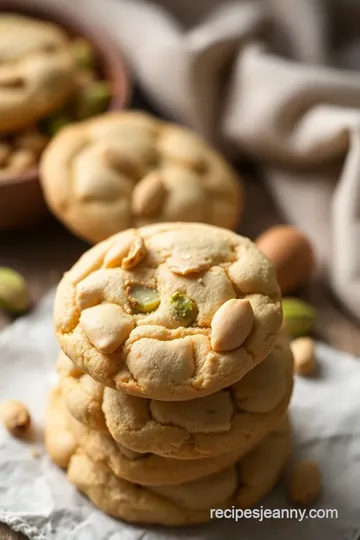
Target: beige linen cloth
(275, 80)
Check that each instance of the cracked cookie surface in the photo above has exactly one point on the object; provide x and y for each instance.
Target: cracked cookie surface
(129, 169)
(64, 435)
(241, 485)
(36, 70)
(236, 417)
(171, 311)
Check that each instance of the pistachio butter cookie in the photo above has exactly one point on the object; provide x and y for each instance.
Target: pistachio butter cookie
(36, 70)
(237, 417)
(64, 435)
(128, 169)
(241, 485)
(171, 312)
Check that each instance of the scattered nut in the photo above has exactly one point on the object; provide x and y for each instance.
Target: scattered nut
(33, 141)
(85, 78)
(106, 326)
(50, 125)
(299, 317)
(231, 325)
(304, 482)
(21, 160)
(149, 195)
(143, 299)
(5, 152)
(83, 53)
(187, 264)
(14, 294)
(15, 417)
(183, 308)
(93, 99)
(126, 254)
(303, 350)
(292, 254)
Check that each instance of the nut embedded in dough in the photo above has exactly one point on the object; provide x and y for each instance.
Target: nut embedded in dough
(149, 195)
(128, 253)
(231, 325)
(106, 326)
(187, 263)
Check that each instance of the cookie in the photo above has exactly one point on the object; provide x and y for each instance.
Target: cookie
(36, 70)
(171, 311)
(237, 417)
(64, 435)
(128, 169)
(242, 486)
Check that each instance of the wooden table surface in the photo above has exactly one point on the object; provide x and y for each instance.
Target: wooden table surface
(44, 253)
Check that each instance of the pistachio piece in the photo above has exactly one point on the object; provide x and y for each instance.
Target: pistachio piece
(183, 264)
(83, 53)
(231, 325)
(183, 308)
(299, 317)
(149, 195)
(143, 299)
(92, 99)
(52, 124)
(14, 294)
(106, 326)
(127, 253)
(15, 417)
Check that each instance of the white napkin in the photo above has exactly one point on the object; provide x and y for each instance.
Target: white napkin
(36, 499)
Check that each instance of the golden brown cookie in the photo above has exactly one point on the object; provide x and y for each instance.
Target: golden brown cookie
(128, 169)
(36, 70)
(237, 417)
(241, 485)
(64, 435)
(171, 312)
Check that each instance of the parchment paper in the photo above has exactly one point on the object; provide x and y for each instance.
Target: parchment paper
(36, 498)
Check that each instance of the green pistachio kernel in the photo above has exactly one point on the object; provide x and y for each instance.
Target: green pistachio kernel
(52, 124)
(14, 294)
(92, 99)
(183, 308)
(83, 54)
(299, 317)
(143, 299)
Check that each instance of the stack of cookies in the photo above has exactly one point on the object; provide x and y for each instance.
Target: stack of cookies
(174, 381)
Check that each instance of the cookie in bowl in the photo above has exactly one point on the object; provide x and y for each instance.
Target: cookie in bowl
(36, 70)
(129, 169)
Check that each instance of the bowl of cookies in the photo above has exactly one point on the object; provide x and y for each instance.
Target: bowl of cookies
(54, 70)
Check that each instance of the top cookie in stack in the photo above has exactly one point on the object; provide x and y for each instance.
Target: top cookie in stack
(169, 312)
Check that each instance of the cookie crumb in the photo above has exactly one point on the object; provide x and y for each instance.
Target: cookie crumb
(304, 482)
(15, 417)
